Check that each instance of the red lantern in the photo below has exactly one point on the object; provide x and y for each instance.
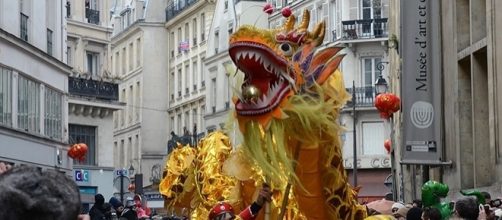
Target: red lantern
(388, 145)
(268, 8)
(387, 104)
(286, 12)
(78, 151)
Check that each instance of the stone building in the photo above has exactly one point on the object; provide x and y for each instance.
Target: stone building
(470, 34)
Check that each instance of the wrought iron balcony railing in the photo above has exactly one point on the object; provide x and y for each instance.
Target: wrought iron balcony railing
(364, 29)
(364, 96)
(176, 7)
(92, 16)
(93, 88)
(184, 140)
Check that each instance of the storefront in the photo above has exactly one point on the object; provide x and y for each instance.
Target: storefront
(91, 181)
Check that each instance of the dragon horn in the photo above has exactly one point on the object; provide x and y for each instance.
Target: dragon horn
(290, 23)
(318, 33)
(305, 20)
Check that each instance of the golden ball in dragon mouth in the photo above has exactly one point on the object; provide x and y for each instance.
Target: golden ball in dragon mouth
(251, 93)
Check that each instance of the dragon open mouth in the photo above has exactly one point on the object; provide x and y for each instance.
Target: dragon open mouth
(262, 70)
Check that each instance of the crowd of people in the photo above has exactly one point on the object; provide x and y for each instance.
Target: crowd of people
(464, 208)
(31, 193)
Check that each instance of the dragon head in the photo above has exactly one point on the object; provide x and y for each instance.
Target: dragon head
(279, 63)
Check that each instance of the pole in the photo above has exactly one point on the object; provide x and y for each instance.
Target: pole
(354, 169)
(121, 187)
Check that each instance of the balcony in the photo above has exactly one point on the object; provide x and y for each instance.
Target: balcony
(93, 88)
(92, 16)
(176, 7)
(365, 96)
(364, 29)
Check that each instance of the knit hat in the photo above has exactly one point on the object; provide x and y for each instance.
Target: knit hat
(397, 205)
(99, 199)
(115, 203)
(401, 212)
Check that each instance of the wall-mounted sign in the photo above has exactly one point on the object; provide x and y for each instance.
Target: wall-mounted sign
(81, 175)
(421, 82)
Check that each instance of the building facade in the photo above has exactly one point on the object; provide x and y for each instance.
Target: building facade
(361, 27)
(188, 24)
(93, 95)
(220, 69)
(34, 84)
(138, 50)
(469, 36)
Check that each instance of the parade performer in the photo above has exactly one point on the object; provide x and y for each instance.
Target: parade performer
(287, 111)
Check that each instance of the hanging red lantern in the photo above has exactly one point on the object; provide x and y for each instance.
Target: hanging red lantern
(268, 8)
(387, 104)
(72, 152)
(388, 145)
(286, 12)
(78, 151)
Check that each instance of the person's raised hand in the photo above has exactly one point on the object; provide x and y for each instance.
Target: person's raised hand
(265, 195)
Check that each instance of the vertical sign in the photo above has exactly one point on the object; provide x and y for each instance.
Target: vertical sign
(421, 81)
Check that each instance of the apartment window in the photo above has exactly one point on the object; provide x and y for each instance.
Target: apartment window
(68, 9)
(187, 74)
(91, 11)
(178, 124)
(172, 124)
(187, 121)
(5, 97)
(370, 72)
(216, 41)
(122, 154)
(24, 27)
(69, 56)
(194, 75)
(201, 69)
(226, 5)
(171, 42)
(115, 120)
(131, 56)
(124, 60)
(194, 31)
(84, 134)
(136, 147)
(129, 149)
(123, 112)
(202, 27)
(117, 63)
(179, 82)
(187, 32)
(371, 9)
(171, 85)
(213, 94)
(53, 120)
(49, 42)
(138, 52)
(92, 63)
(130, 104)
(179, 39)
(373, 136)
(115, 152)
(138, 100)
(28, 98)
(230, 28)
(194, 117)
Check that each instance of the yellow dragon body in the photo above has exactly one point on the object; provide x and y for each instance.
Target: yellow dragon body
(287, 110)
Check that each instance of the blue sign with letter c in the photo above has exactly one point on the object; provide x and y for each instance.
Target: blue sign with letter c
(82, 175)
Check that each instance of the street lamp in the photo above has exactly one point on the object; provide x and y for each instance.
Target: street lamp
(381, 85)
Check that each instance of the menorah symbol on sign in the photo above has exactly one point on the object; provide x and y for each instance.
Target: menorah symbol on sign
(422, 114)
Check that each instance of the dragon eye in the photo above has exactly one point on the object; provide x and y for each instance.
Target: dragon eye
(286, 49)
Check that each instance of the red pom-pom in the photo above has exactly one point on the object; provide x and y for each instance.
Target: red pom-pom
(268, 8)
(286, 12)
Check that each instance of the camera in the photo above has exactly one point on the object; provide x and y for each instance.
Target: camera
(496, 203)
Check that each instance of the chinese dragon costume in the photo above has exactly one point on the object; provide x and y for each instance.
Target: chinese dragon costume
(287, 111)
